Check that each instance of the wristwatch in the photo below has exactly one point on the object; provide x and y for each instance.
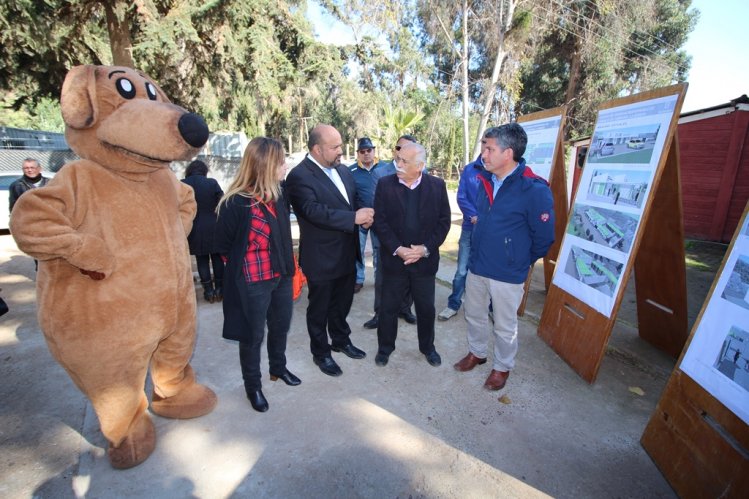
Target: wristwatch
(426, 251)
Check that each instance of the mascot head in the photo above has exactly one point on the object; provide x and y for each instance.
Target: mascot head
(120, 118)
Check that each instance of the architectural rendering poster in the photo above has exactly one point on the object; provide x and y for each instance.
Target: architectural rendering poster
(625, 150)
(542, 142)
(718, 356)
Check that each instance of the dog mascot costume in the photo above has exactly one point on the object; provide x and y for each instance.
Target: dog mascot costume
(114, 289)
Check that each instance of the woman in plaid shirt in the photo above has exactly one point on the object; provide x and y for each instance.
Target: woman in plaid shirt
(254, 238)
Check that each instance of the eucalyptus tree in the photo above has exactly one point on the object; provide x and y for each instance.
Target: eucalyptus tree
(589, 51)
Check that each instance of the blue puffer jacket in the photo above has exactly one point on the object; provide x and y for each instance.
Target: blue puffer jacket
(513, 230)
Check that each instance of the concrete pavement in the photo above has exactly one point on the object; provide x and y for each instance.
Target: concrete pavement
(404, 430)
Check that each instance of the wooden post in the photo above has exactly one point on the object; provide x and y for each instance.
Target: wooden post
(585, 294)
(699, 444)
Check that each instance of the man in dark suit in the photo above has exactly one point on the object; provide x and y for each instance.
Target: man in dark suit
(412, 219)
(323, 194)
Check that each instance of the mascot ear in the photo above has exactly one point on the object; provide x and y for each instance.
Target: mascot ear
(78, 99)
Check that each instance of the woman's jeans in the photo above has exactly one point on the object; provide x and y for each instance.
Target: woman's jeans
(266, 302)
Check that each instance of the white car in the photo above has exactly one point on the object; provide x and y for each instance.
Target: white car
(7, 178)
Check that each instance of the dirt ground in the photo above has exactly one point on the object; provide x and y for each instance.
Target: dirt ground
(405, 430)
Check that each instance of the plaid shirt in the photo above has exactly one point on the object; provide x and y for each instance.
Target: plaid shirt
(256, 264)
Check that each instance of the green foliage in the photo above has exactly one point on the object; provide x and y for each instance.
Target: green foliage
(257, 67)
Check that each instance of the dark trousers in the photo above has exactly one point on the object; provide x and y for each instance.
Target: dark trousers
(204, 267)
(394, 288)
(405, 305)
(266, 302)
(329, 304)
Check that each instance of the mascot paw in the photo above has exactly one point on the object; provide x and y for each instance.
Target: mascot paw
(136, 447)
(192, 402)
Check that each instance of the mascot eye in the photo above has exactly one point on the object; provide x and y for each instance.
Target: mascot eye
(125, 88)
(151, 90)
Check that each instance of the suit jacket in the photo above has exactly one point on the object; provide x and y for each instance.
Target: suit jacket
(329, 239)
(390, 217)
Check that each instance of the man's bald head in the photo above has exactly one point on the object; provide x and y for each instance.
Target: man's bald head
(325, 145)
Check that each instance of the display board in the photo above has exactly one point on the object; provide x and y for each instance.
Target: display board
(699, 433)
(630, 179)
(544, 154)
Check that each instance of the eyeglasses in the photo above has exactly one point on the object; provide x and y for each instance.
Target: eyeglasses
(365, 151)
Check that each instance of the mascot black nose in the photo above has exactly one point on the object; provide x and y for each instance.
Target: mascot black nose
(193, 129)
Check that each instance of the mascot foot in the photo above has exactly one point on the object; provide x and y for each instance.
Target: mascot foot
(192, 402)
(136, 447)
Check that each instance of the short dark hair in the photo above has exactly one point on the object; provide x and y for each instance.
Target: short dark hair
(408, 137)
(510, 135)
(197, 167)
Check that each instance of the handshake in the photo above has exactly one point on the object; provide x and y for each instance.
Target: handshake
(364, 217)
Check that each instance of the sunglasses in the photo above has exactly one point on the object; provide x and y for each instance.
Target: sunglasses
(364, 151)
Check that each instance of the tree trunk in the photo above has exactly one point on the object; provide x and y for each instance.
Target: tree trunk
(464, 62)
(119, 34)
(504, 26)
(574, 76)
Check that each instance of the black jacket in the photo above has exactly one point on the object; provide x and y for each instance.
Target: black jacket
(20, 186)
(207, 195)
(329, 239)
(390, 216)
(232, 233)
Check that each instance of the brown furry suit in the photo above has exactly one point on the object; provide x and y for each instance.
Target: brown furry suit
(115, 290)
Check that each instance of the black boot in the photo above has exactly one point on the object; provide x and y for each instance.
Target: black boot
(218, 291)
(208, 294)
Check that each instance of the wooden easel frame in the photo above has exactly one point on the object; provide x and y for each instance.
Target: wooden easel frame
(578, 332)
(700, 446)
(558, 186)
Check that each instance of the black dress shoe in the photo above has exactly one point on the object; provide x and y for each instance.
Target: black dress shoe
(371, 323)
(328, 366)
(433, 358)
(408, 316)
(381, 359)
(357, 287)
(257, 399)
(287, 377)
(350, 350)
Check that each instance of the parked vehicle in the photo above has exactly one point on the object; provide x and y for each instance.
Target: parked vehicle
(607, 149)
(636, 143)
(7, 178)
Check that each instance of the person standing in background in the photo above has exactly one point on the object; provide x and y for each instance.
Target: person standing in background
(467, 188)
(364, 173)
(201, 238)
(31, 179)
(253, 234)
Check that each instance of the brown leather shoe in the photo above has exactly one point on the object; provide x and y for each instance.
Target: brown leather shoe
(496, 380)
(468, 362)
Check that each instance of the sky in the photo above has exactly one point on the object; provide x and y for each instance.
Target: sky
(719, 46)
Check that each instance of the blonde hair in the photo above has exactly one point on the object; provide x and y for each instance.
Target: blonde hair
(257, 177)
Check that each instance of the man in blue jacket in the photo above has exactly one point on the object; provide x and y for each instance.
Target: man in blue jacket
(467, 189)
(515, 227)
(364, 173)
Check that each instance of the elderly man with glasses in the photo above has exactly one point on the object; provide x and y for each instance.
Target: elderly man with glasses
(383, 170)
(412, 219)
